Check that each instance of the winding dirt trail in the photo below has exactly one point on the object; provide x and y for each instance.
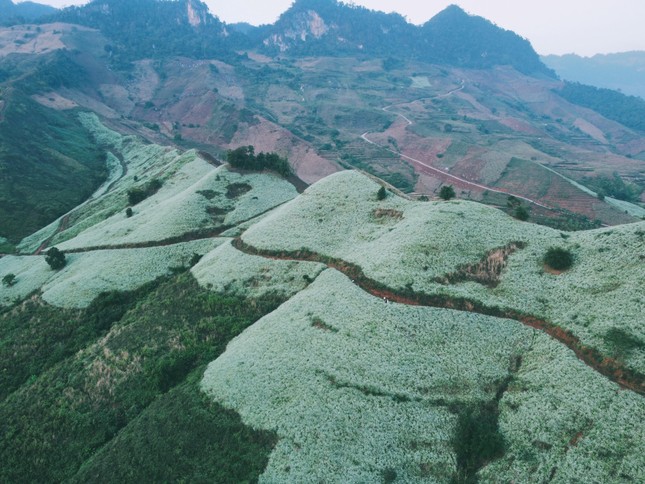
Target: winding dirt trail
(431, 170)
(615, 370)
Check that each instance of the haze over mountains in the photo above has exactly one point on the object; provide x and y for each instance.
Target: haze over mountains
(263, 277)
(621, 71)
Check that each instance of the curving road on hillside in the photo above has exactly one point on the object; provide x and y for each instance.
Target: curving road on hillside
(424, 167)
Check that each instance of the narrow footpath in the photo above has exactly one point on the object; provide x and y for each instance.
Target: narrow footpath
(613, 369)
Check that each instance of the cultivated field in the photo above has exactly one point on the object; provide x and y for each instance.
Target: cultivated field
(360, 389)
(416, 247)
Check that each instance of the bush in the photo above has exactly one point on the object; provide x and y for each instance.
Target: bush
(447, 192)
(9, 280)
(381, 194)
(128, 212)
(139, 194)
(55, 258)
(521, 213)
(558, 258)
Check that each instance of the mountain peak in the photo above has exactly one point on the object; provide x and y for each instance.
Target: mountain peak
(457, 38)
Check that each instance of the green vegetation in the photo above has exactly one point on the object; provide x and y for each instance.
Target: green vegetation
(245, 158)
(83, 399)
(9, 280)
(183, 436)
(521, 213)
(381, 194)
(55, 258)
(49, 164)
(151, 29)
(477, 440)
(139, 194)
(558, 258)
(627, 110)
(613, 186)
(447, 192)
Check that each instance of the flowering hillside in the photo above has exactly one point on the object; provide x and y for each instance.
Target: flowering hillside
(418, 247)
(359, 388)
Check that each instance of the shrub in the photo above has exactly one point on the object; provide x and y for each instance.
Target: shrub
(558, 258)
(447, 192)
(9, 280)
(521, 213)
(139, 194)
(55, 258)
(381, 194)
(128, 212)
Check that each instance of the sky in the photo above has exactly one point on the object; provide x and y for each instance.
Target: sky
(583, 27)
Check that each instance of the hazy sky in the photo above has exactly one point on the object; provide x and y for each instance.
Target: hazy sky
(585, 27)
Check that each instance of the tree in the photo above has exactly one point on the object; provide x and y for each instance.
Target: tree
(521, 213)
(55, 258)
(447, 192)
(558, 258)
(9, 280)
(128, 212)
(381, 194)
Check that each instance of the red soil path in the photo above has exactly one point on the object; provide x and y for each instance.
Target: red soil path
(608, 367)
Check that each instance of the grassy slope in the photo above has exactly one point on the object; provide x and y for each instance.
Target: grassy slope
(49, 164)
(195, 197)
(361, 389)
(410, 245)
(77, 402)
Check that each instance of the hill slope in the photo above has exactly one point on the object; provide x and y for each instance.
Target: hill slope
(401, 353)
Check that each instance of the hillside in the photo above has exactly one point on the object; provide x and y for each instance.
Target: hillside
(330, 316)
(623, 72)
(386, 313)
(493, 125)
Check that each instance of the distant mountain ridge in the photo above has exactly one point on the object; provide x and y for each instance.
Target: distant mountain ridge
(452, 37)
(24, 11)
(152, 28)
(623, 71)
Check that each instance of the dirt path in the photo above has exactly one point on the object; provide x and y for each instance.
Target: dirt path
(608, 367)
(431, 170)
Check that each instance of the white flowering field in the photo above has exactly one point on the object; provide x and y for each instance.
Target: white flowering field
(601, 298)
(31, 274)
(194, 198)
(355, 386)
(88, 274)
(227, 270)
(564, 423)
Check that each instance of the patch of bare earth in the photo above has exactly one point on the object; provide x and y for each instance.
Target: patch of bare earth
(387, 215)
(269, 137)
(487, 271)
(54, 100)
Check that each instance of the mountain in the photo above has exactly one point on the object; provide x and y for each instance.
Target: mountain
(232, 329)
(329, 27)
(455, 38)
(257, 276)
(624, 72)
(452, 37)
(23, 11)
(152, 28)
